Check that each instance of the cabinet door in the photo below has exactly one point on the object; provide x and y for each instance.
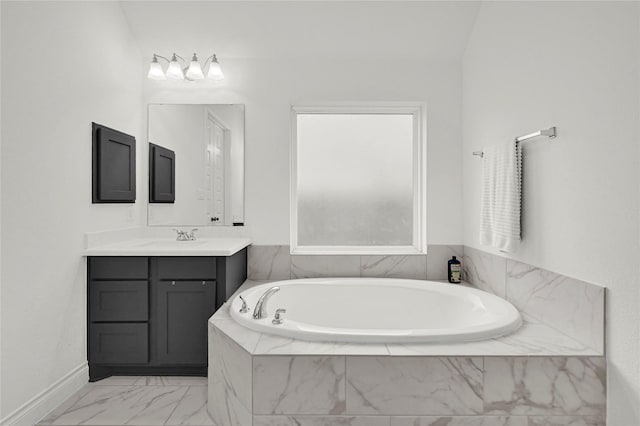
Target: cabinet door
(184, 308)
(114, 166)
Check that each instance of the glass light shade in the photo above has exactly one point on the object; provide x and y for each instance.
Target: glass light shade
(155, 71)
(215, 72)
(195, 70)
(174, 72)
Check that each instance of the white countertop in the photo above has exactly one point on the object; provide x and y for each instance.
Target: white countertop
(170, 247)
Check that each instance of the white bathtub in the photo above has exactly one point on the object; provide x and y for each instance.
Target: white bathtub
(379, 310)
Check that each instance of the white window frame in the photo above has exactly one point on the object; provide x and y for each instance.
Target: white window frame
(419, 243)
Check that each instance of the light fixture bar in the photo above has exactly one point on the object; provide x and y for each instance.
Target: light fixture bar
(177, 68)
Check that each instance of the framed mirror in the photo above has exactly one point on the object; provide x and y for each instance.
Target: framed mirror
(207, 142)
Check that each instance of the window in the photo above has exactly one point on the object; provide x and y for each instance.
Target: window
(358, 179)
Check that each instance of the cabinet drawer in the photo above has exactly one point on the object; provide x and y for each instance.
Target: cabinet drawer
(186, 268)
(122, 343)
(119, 301)
(118, 268)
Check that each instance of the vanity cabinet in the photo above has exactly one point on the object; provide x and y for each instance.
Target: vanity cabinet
(148, 315)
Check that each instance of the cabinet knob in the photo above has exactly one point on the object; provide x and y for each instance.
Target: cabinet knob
(204, 283)
(173, 283)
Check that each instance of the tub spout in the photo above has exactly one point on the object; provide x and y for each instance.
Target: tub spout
(260, 311)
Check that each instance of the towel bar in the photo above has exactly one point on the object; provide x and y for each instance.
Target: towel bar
(550, 133)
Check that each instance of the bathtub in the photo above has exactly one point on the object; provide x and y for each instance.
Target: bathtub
(378, 310)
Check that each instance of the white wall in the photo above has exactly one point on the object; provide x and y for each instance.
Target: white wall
(573, 65)
(64, 65)
(269, 87)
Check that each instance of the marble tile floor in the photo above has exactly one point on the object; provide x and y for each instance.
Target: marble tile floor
(136, 400)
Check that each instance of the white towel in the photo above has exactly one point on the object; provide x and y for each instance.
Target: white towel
(501, 196)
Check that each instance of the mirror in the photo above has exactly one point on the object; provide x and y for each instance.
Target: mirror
(207, 142)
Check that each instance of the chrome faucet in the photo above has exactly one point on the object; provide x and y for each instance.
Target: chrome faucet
(260, 311)
(186, 236)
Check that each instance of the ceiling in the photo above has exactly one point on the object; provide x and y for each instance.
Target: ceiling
(432, 30)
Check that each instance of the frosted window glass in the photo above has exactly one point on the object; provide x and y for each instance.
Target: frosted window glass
(355, 179)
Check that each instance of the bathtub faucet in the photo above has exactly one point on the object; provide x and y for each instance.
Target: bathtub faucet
(260, 310)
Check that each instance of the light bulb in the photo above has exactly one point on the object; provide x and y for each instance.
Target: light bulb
(215, 72)
(155, 70)
(174, 72)
(195, 70)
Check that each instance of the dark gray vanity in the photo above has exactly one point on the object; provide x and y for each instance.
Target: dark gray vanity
(147, 315)
(149, 297)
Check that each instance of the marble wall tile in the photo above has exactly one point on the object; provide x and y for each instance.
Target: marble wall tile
(320, 421)
(268, 263)
(419, 385)
(229, 381)
(325, 266)
(567, 421)
(232, 363)
(437, 257)
(246, 338)
(192, 409)
(224, 408)
(485, 270)
(574, 307)
(413, 267)
(459, 421)
(545, 385)
(298, 385)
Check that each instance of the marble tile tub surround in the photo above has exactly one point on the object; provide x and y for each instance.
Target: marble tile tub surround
(532, 339)
(400, 390)
(275, 263)
(574, 307)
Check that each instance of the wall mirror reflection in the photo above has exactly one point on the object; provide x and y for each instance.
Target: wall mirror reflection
(208, 146)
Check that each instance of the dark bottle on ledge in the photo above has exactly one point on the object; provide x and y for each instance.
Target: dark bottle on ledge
(454, 270)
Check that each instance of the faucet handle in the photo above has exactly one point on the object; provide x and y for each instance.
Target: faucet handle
(277, 319)
(244, 308)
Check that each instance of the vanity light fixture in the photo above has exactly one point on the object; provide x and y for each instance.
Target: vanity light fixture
(178, 70)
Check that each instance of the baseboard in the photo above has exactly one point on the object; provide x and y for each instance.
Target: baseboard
(46, 401)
